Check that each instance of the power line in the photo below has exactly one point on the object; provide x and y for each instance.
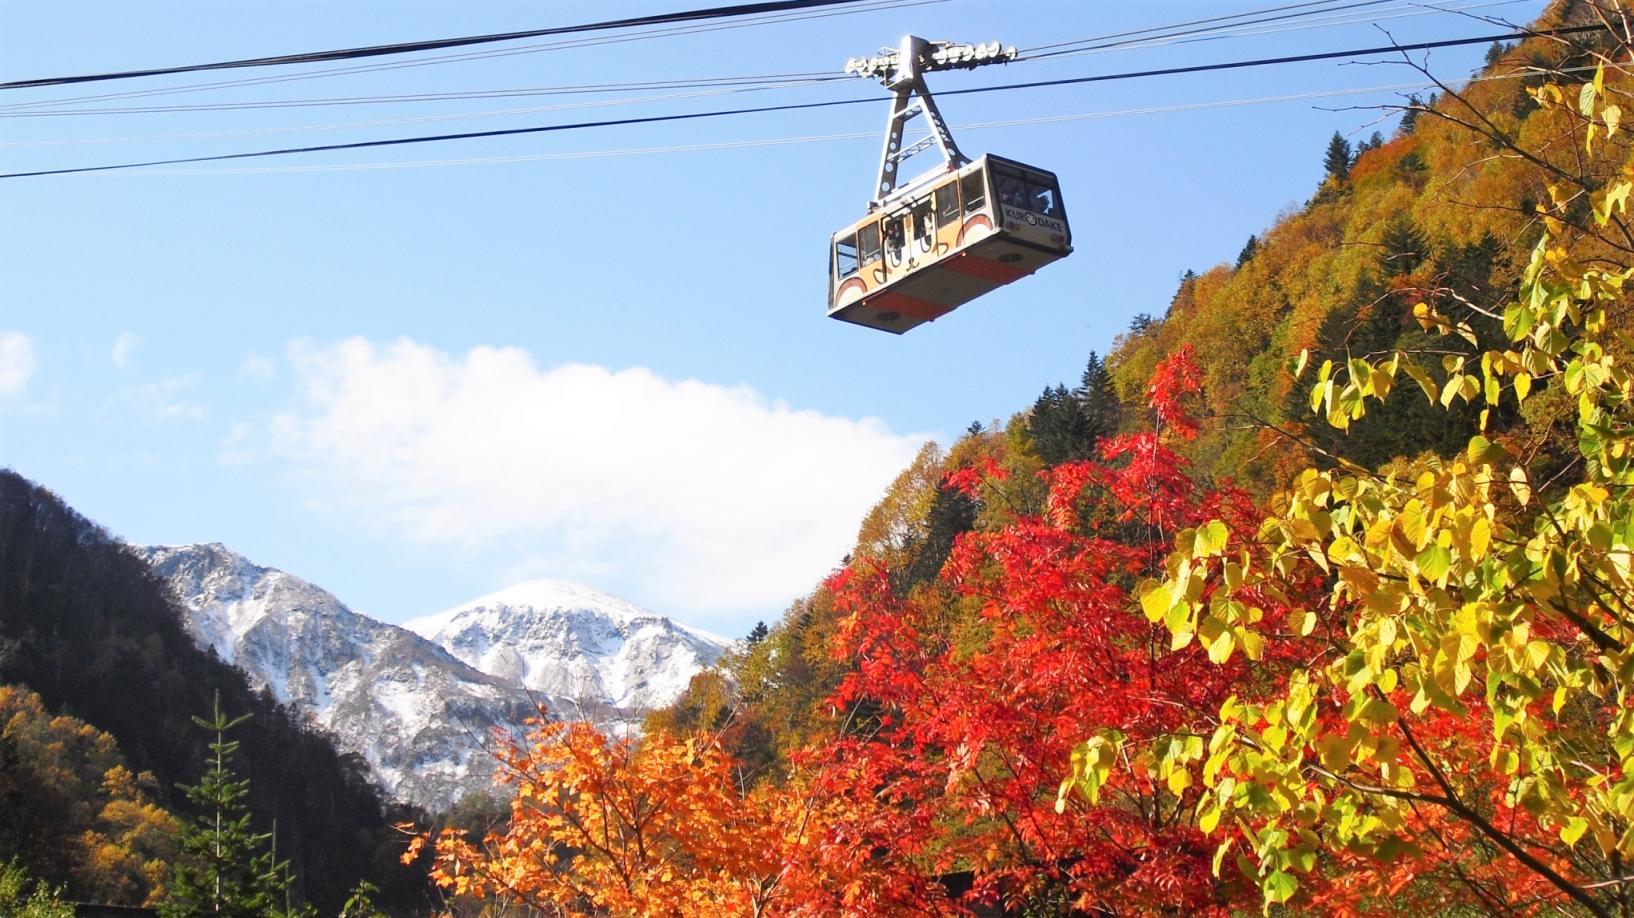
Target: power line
(339, 54)
(692, 116)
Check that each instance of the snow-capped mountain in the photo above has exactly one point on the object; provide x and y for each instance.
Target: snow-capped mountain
(423, 717)
(570, 641)
(418, 716)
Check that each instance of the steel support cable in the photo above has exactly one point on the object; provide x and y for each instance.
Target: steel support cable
(394, 122)
(803, 106)
(1223, 22)
(1247, 30)
(313, 57)
(823, 138)
(806, 78)
(865, 6)
(452, 96)
(31, 109)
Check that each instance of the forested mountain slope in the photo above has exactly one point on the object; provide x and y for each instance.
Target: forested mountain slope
(1445, 212)
(86, 624)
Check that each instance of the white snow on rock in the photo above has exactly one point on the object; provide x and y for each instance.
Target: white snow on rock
(423, 716)
(572, 642)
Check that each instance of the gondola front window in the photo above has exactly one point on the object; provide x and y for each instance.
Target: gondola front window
(845, 255)
(1027, 190)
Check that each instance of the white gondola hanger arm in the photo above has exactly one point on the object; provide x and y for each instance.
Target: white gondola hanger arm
(902, 71)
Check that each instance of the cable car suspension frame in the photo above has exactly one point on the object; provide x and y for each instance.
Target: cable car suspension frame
(902, 70)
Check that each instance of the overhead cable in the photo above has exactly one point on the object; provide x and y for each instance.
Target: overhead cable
(340, 54)
(864, 6)
(1101, 44)
(801, 106)
(821, 138)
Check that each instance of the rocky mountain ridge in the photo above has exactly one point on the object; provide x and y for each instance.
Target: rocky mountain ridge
(422, 710)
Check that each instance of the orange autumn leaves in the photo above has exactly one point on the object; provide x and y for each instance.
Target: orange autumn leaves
(610, 826)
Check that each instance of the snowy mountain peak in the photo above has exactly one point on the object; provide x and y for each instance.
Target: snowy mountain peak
(420, 708)
(574, 642)
(411, 710)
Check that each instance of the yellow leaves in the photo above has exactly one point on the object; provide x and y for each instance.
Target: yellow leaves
(1304, 622)
(1615, 199)
(1156, 601)
(1520, 486)
(1209, 540)
(1090, 767)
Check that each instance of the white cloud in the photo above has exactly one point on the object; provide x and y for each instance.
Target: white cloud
(16, 363)
(258, 369)
(123, 347)
(166, 400)
(696, 498)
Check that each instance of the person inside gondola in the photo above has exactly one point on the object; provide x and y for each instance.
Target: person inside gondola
(1012, 192)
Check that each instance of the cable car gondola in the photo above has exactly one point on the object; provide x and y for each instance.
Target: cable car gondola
(948, 236)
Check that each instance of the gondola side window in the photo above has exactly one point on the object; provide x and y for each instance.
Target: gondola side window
(924, 225)
(893, 239)
(868, 243)
(947, 204)
(845, 255)
(975, 192)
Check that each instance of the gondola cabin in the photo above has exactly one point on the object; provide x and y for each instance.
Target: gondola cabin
(940, 244)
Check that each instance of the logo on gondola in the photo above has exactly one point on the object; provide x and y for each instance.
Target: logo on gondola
(1013, 215)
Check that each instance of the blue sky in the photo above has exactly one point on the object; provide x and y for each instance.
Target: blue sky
(548, 355)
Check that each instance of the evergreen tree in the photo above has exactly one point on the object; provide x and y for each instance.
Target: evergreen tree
(1409, 114)
(1250, 248)
(1098, 395)
(225, 871)
(1404, 248)
(757, 634)
(1337, 160)
(1142, 323)
(1058, 427)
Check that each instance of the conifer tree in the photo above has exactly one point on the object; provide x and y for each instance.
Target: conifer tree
(1098, 395)
(1337, 160)
(1250, 248)
(227, 868)
(1409, 114)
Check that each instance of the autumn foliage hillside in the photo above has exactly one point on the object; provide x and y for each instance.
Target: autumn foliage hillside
(1338, 619)
(1441, 213)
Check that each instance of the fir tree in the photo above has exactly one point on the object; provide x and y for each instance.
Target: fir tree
(757, 634)
(1098, 395)
(1337, 160)
(1409, 114)
(224, 870)
(1250, 248)
(1404, 248)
